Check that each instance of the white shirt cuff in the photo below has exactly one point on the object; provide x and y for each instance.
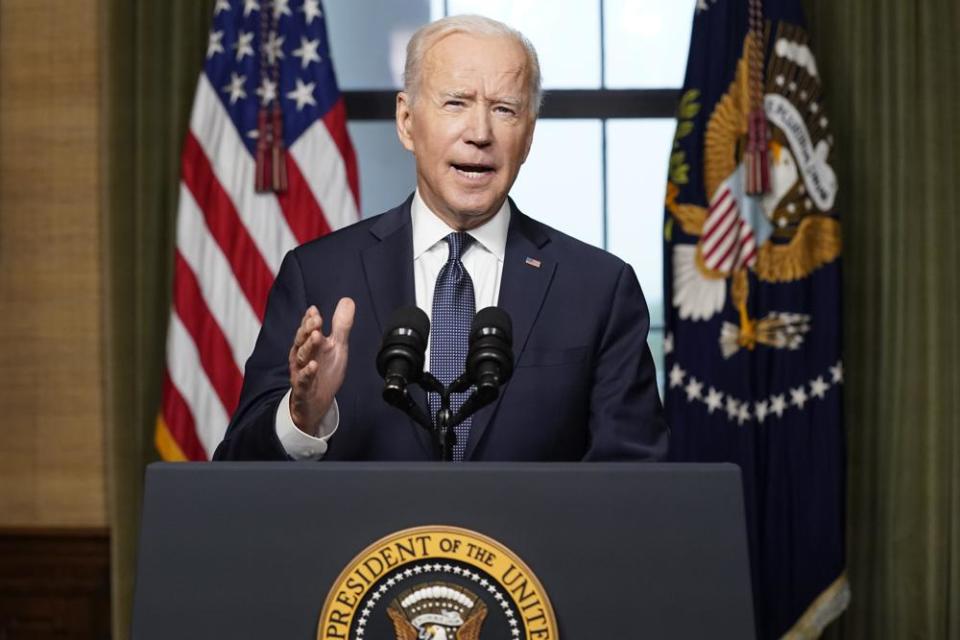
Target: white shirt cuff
(299, 445)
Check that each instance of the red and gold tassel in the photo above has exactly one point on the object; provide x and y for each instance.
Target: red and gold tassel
(279, 160)
(271, 162)
(756, 157)
(262, 181)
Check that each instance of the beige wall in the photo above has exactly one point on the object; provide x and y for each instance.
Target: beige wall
(52, 469)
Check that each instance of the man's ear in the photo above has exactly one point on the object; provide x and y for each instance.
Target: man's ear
(529, 142)
(405, 121)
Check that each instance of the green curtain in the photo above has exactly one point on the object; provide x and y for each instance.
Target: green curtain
(151, 56)
(891, 71)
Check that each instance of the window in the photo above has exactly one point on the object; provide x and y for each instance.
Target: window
(612, 71)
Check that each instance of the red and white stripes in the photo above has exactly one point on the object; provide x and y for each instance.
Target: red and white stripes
(727, 243)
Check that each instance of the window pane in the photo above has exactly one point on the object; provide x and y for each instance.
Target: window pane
(655, 341)
(566, 34)
(646, 42)
(637, 155)
(387, 174)
(561, 182)
(368, 45)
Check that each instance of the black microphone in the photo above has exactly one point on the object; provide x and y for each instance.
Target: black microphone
(400, 360)
(490, 352)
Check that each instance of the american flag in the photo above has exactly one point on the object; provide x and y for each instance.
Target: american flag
(268, 71)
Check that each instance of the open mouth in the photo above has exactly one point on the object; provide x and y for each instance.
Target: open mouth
(474, 171)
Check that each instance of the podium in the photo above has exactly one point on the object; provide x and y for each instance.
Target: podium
(625, 550)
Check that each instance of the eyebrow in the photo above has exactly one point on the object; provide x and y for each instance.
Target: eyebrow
(458, 93)
(511, 100)
(463, 94)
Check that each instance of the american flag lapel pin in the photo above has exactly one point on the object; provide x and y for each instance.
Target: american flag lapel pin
(533, 262)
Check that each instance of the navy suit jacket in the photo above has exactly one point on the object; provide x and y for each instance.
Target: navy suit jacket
(584, 385)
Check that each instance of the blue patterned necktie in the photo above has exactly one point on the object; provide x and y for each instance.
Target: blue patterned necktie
(453, 310)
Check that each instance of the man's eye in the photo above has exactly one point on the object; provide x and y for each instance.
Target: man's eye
(453, 103)
(506, 110)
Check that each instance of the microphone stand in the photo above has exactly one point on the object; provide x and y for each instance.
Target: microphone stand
(444, 437)
(489, 365)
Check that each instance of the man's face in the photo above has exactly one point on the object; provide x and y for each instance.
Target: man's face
(470, 127)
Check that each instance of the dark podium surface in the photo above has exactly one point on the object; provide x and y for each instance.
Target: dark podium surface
(250, 550)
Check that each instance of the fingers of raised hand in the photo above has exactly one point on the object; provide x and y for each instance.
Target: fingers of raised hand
(307, 351)
(310, 322)
(342, 320)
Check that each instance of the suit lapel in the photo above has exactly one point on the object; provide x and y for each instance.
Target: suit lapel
(388, 264)
(388, 269)
(528, 269)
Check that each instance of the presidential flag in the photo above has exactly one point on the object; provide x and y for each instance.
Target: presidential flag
(267, 165)
(752, 280)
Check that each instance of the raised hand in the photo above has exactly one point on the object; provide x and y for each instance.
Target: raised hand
(318, 364)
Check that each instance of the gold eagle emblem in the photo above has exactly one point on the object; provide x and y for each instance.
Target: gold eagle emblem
(781, 236)
(437, 611)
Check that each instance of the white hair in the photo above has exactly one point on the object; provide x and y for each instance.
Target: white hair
(428, 35)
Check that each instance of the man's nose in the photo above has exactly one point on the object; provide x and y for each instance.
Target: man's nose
(479, 131)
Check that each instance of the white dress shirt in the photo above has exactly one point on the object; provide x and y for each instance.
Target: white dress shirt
(483, 260)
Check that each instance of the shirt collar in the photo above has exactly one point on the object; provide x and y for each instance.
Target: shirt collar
(429, 229)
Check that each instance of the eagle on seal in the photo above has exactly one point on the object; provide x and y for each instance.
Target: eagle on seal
(438, 612)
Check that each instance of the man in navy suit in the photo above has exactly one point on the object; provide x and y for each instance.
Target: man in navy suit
(584, 386)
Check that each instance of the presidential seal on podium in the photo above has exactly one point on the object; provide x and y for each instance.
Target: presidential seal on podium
(437, 583)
